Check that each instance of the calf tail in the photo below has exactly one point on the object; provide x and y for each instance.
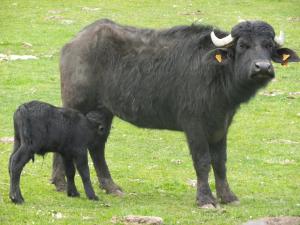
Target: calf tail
(21, 129)
(17, 141)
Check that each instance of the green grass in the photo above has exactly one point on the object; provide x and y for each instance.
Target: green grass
(263, 167)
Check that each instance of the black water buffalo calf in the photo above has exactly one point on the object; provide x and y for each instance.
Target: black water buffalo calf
(40, 128)
(186, 78)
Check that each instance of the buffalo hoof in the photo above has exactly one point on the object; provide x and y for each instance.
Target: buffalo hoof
(206, 201)
(229, 198)
(111, 188)
(207, 206)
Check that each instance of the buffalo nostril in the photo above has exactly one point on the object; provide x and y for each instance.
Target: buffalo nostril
(257, 67)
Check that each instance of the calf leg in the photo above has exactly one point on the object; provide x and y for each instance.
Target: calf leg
(81, 162)
(70, 173)
(219, 157)
(17, 163)
(201, 159)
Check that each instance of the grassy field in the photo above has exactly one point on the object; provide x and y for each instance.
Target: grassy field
(264, 140)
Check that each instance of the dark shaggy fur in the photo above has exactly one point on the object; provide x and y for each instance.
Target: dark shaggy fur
(169, 79)
(41, 128)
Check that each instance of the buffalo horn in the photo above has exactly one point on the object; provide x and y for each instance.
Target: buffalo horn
(279, 39)
(220, 42)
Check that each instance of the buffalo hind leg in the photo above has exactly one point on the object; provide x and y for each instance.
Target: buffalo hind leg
(17, 163)
(81, 162)
(58, 173)
(97, 153)
(70, 174)
(201, 159)
(219, 157)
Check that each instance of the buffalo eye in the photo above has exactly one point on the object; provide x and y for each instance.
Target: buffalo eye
(268, 45)
(243, 45)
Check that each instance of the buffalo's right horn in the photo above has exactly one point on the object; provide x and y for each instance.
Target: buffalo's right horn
(280, 39)
(220, 42)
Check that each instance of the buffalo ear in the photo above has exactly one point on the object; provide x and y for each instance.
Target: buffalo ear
(285, 55)
(219, 56)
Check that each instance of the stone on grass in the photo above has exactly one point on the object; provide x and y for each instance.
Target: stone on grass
(135, 220)
(4, 57)
(282, 220)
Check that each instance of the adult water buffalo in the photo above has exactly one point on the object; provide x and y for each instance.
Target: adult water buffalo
(187, 78)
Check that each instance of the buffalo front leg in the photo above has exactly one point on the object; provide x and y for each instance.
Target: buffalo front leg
(58, 173)
(201, 159)
(219, 158)
(97, 153)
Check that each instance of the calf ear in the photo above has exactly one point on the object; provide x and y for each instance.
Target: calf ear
(285, 55)
(93, 116)
(219, 56)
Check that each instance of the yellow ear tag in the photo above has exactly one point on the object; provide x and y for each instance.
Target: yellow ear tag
(218, 57)
(285, 57)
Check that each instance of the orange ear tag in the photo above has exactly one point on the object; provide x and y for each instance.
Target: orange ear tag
(284, 58)
(218, 57)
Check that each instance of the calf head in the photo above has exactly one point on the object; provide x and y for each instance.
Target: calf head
(97, 120)
(249, 50)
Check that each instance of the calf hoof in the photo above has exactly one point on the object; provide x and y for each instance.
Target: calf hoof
(17, 200)
(111, 188)
(73, 194)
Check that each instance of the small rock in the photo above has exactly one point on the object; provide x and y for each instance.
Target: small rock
(57, 215)
(192, 183)
(282, 220)
(16, 57)
(26, 44)
(55, 11)
(55, 17)
(153, 220)
(271, 93)
(7, 139)
(88, 9)
(67, 22)
(176, 161)
(282, 141)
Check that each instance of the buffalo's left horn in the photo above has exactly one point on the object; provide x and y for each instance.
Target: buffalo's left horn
(220, 42)
(280, 39)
